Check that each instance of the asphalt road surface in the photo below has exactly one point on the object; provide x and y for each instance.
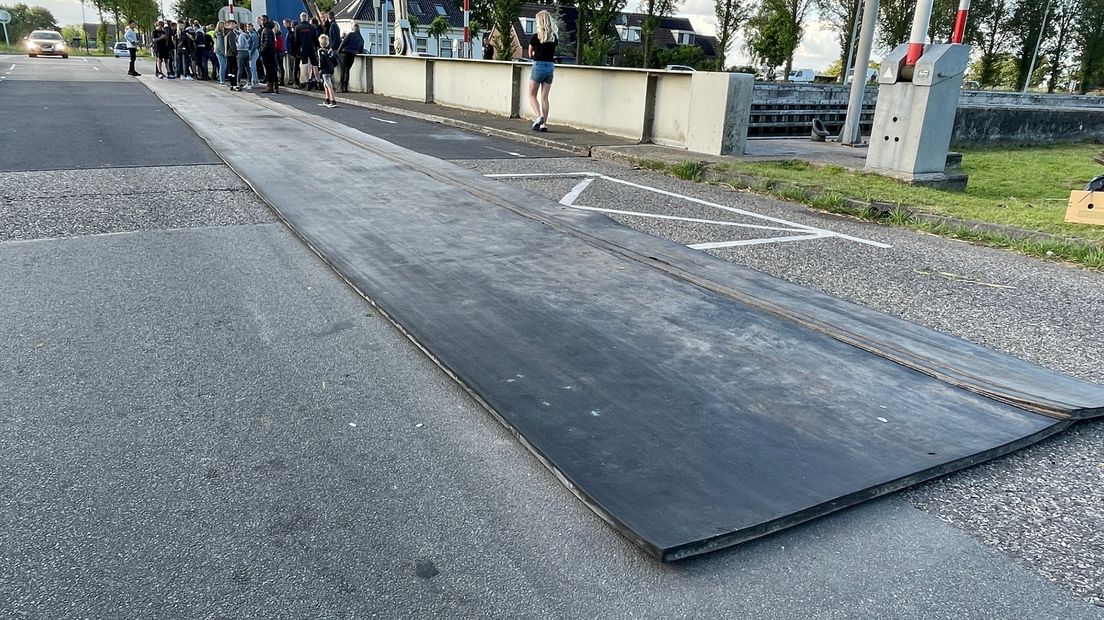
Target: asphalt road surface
(198, 419)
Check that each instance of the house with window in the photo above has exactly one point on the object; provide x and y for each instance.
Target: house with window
(362, 14)
(672, 32)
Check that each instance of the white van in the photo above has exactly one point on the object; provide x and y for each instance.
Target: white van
(802, 75)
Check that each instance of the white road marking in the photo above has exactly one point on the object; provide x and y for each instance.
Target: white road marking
(695, 220)
(11, 68)
(96, 68)
(507, 152)
(812, 232)
(569, 199)
(731, 244)
(84, 59)
(383, 120)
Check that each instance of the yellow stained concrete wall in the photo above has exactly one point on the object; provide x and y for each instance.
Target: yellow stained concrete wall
(482, 86)
(701, 112)
(399, 76)
(595, 98)
(672, 108)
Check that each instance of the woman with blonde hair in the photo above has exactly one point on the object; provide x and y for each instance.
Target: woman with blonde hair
(542, 50)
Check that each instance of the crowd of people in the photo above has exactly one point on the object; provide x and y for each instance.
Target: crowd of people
(303, 54)
(298, 54)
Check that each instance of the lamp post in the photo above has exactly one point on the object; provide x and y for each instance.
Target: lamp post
(1038, 42)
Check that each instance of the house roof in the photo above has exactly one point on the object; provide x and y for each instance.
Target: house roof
(425, 11)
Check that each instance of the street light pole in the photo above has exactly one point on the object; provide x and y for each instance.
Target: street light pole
(852, 129)
(1038, 43)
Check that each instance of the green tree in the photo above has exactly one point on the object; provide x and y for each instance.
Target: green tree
(731, 14)
(894, 22)
(72, 31)
(689, 55)
(103, 38)
(774, 33)
(1065, 14)
(595, 35)
(992, 27)
(503, 15)
(206, 11)
(25, 19)
(1090, 39)
(438, 28)
(1028, 23)
(654, 12)
(841, 16)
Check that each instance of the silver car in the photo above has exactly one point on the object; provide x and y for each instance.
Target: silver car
(46, 43)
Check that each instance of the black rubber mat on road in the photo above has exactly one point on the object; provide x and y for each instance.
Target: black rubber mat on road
(690, 403)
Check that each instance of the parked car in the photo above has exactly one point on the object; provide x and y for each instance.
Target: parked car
(46, 43)
(678, 68)
(971, 85)
(871, 75)
(803, 75)
(120, 50)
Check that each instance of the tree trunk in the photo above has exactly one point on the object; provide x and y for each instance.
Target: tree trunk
(789, 67)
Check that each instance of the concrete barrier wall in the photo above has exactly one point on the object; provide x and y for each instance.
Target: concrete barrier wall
(701, 112)
(979, 126)
(982, 118)
(770, 92)
(479, 86)
(672, 108)
(608, 100)
(402, 77)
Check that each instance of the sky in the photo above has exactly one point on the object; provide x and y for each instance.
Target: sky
(818, 47)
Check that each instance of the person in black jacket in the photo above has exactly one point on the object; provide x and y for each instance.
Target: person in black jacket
(333, 31)
(326, 63)
(230, 48)
(291, 53)
(268, 55)
(351, 45)
(306, 40)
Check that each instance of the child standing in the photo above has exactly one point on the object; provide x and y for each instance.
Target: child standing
(326, 62)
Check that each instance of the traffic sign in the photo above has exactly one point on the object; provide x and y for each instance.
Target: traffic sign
(5, 17)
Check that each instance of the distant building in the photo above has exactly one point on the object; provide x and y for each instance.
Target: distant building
(361, 14)
(90, 31)
(671, 32)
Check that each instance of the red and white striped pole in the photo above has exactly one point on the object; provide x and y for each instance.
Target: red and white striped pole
(230, 5)
(960, 21)
(920, 23)
(467, 31)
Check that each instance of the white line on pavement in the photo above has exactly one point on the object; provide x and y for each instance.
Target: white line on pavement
(565, 175)
(506, 152)
(383, 120)
(731, 244)
(96, 68)
(11, 68)
(686, 219)
(813, 230)
(569, 199)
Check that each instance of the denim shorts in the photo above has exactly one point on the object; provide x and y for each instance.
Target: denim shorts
(542, 72)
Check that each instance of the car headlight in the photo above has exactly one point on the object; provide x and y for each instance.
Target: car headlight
(61, 46)
(31, 46)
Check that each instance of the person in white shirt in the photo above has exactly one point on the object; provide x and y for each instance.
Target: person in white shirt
(131, 36)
